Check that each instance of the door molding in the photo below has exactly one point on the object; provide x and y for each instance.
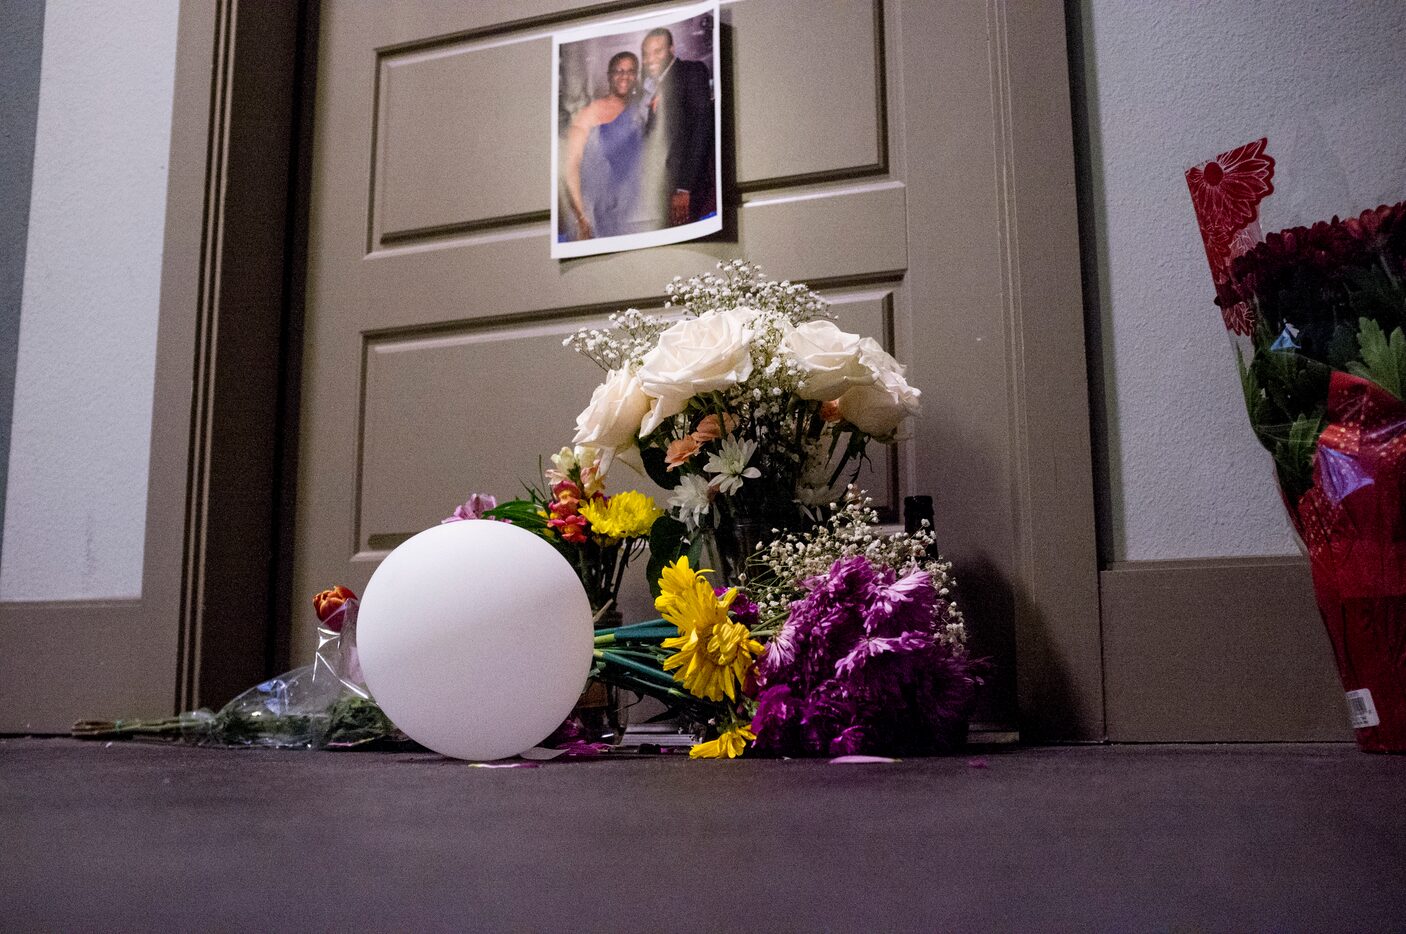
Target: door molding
(1039, 593)
(247, 311)
(1059, 643)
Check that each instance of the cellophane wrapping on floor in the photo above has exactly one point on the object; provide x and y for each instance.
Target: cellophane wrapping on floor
(324, 704)
(1317, 316)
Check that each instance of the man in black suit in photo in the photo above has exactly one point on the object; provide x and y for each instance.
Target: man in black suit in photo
(679, 96)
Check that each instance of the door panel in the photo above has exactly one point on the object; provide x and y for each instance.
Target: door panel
(810, 89)
(485, 102)
(429, 415)
(455, 106)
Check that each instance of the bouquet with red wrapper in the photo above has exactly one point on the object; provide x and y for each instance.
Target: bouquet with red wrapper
(1317, 315)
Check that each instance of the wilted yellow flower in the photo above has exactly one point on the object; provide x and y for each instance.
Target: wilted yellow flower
(625, 515)
(714, 652)
(729, 745)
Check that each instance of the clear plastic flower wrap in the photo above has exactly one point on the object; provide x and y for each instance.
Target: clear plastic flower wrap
(1317, 316)
(318, 706)
(324, 704)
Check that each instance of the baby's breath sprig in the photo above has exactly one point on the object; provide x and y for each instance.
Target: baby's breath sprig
(631, 335)
(737, 284)
(780, 569)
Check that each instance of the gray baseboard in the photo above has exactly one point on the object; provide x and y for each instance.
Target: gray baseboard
(1217, 650)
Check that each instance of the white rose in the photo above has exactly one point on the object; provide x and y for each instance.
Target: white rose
(609, 422)
(828, 357)
(696, 355)
(879, 408)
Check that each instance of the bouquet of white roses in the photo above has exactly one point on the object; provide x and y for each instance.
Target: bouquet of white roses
(745, 400)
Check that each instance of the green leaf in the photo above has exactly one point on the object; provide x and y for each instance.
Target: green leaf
(666, 537)
(1383, 358)
(1282, 385)
(519, 512)
(1373, 292)
(657, 469)
(1250, 386)
(1293, 455)
(1284, 397)
(666, 543)
(1342, 349)
(695, 550)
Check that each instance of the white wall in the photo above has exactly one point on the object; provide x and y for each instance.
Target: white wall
(75, 505)
(1169, 85)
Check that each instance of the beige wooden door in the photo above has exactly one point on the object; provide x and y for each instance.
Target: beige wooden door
(871, 150)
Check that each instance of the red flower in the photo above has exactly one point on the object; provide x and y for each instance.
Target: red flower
(567, 493)
(329, 606)
(1378, 227)
(572, 528)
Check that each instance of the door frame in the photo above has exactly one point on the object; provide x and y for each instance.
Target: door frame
(246, 295)
(1059, 651)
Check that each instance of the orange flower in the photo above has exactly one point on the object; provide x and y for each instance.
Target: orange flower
(711, 428)
(680, 451)
(329, 603)
(830, 411)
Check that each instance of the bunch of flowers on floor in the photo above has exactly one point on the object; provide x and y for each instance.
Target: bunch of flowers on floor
(754, 410)
(1317, 316)
(844, 641)
(323, 705)
(789, 623)
(745, 401)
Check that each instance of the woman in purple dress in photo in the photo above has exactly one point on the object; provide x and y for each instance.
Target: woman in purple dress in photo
(603, 157)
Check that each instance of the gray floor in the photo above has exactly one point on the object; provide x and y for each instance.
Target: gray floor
(1172, 838)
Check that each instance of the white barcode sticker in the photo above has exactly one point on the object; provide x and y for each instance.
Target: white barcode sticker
(1360, 709)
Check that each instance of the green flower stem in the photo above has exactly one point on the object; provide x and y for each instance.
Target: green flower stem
(622, 561)
(179, 726)
(637, 669)
(654, 631)
(624, 632)
(670, 696)
(635, 653)
(641, 637)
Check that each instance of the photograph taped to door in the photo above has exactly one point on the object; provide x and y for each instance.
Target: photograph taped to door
(636, 147)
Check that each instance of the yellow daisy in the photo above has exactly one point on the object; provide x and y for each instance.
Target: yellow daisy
(729, 745)
(714, 653)
(626, 515)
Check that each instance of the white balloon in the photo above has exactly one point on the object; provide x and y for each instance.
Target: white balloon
(475, 638)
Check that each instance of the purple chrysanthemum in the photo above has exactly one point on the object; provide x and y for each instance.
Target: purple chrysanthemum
(743, 610)
(860, 667)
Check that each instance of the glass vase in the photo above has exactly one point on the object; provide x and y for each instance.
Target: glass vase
(603, 709)
(740, 535)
